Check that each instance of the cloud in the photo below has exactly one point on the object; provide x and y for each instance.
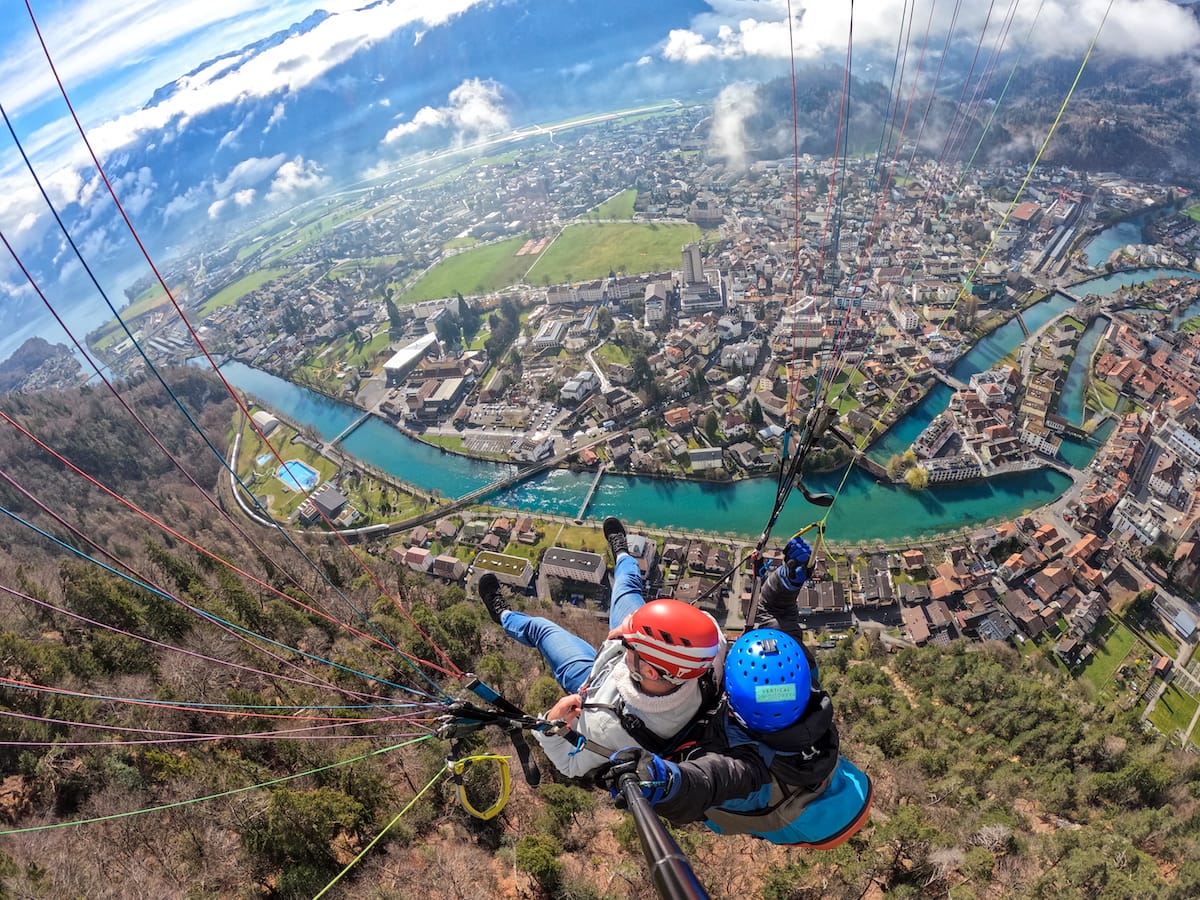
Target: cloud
(297, 174)
(278, 114)
(145, 33)
(687, 47)
(727, 136)
(184, 203)
(475, 108)
(245, 197)
(758, 29)
(230, 137)
(247, 173)
(135, 190)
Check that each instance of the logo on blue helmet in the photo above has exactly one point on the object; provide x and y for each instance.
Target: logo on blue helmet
(767, 679)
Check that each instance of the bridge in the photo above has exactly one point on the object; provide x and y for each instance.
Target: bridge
(1024, 327)
(349, 428)
(523, 474)
(873, 468)
(591, 492)
(949, 380)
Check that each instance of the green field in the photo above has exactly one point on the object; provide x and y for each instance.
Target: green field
(1111, 650)
(1173, 711)
(231, 294)
(149, 299)
(298, 239)
(1102, 395)
(612, 354)
(618, 207)
(476, 271)
(592, 251)
(351, 267)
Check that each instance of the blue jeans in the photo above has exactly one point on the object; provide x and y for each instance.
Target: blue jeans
(570, 657)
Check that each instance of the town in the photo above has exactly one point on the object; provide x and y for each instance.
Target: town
(619, 300)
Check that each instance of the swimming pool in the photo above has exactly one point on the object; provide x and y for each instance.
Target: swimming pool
(263, 460)
(298, 476)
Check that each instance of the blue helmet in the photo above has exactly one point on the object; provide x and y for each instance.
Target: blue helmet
(767, 679)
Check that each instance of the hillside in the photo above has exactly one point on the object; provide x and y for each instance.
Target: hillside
(267, 767)
(1134, 118)
(37, 365)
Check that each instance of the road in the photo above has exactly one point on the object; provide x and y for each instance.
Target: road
(605, 385)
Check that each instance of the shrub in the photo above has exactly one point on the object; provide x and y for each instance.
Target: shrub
(538, 855)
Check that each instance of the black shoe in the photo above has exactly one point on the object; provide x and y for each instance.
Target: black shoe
(614, 533)
(489, 593)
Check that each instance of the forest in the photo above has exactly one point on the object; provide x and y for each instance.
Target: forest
(195, 709)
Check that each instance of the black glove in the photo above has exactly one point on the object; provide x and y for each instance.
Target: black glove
(657, 777)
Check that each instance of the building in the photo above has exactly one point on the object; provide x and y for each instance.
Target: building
(511, 570)
(265, 422)
(418, 559)
(574, 565)
(693, 265)
(405, 359)
(327, 502)
(705, 458)
(575, 389)
(449, 567)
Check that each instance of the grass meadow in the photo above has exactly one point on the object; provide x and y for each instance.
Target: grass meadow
(586, 251)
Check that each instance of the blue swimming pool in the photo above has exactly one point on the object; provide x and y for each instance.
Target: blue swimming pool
(263, 460)
(298, 476)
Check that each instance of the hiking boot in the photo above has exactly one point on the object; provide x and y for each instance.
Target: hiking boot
(489, 593)
(614, 533)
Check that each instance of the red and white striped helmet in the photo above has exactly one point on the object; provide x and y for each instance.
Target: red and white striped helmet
(675, 637)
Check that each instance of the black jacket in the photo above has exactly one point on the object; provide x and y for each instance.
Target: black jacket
(732, 764)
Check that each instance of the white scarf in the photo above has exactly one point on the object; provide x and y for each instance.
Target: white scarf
(664, 715)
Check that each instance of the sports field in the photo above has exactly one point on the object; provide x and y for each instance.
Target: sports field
(592, 251)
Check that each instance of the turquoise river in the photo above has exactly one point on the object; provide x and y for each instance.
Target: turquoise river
(865, 511)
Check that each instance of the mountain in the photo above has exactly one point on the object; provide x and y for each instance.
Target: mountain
(37, 364)
(1136, 118)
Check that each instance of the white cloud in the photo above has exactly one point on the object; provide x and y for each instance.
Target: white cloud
(184, 203)
(297, 174)
(230, 137)
(741, 29)
(215, 208)
(727, 137)
(277, 115)
(146, 33)
(136, 190)
(687, 47)
(473, 109)
(245, 197)
(247, 173)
